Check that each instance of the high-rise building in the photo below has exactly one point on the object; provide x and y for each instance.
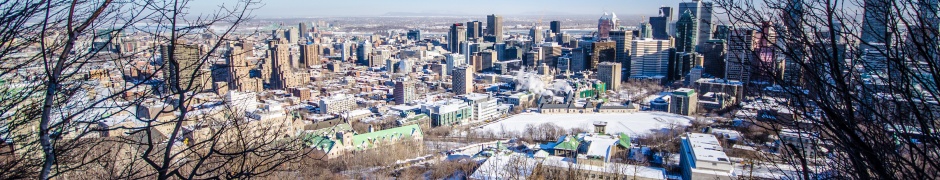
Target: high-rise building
(414, 34)
(649, 58)
(550, 53)
(489, 57)
(684, 102)
(609, 73)
(624, 41)
(474, 30)
(364, 53)
(646, 31)
(453, 60)
(238, 66)
(686, 34)
(740, 55)
(660, 24)
(555, 27)
(404, 91)
(293, 35)
(303, 30)
(714, 52)
(494, 28)
(280, 66)
(462, 80)
(456, 36)
(878, 14)
(536, 33)
(310, 54)
(605, 24)
(601, 52)
(186, 75)
(703, 12)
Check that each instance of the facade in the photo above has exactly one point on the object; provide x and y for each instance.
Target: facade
(310, 54)
(684, 102)
(187, 76)
(740, 55)
(482, 105)
(456, 36)
(650, 58)
(555, 27)
(660, 24)
(609, 73)
(404, 91)
(340, 141)
(602, 52)
(701, 157)
(474, 30)
(494, 28)
(605, 24)
(448, 112)
(414, 34)
(686, 34)
(462, 80)
(714, 52)
(624, 41)
(337, 104)
(730, 87)
(536, 34)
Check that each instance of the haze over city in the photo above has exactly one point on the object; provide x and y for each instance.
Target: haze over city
(470, 90)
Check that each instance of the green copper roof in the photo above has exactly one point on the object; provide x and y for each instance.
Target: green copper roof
(624, 140)
(568, 143)
(319, 142)
(366, 140)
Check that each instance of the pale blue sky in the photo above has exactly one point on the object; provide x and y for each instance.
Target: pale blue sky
(312, 8)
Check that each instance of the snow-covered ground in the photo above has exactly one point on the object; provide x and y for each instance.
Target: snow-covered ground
(634, 124)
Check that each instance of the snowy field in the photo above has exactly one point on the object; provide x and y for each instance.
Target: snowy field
(634, 124)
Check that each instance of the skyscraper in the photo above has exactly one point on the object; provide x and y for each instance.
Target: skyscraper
(703, 12)
(686, 33)
(293, 35)
(609, 73)
(462, 80)
(605, 51)
(404, 91)
(555, 27)
(280, 66)
(310, 54)
(186, 73)
(660, 24)
(364, 53)
(605, 24)
(649, 58)
(623, 40)
(303, 30)
(877, 15)
(646, 31)
(740, 55)
(456, 36)
(714, 58)
(414, 34)
(494, 28)
(536, 33)
(474, 29)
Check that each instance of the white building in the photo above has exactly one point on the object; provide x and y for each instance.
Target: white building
(337, 103)
(649, 58)
(483, 105)
(702, 157)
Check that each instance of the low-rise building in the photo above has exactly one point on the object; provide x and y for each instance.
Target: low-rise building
(340, 143)
(448, 112)
(702, 157)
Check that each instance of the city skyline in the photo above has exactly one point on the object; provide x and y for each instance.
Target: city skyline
(295, 9)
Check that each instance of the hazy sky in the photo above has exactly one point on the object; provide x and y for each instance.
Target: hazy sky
(312, 8)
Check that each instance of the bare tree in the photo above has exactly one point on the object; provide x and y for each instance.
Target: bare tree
(73, 93)
(858, 77)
